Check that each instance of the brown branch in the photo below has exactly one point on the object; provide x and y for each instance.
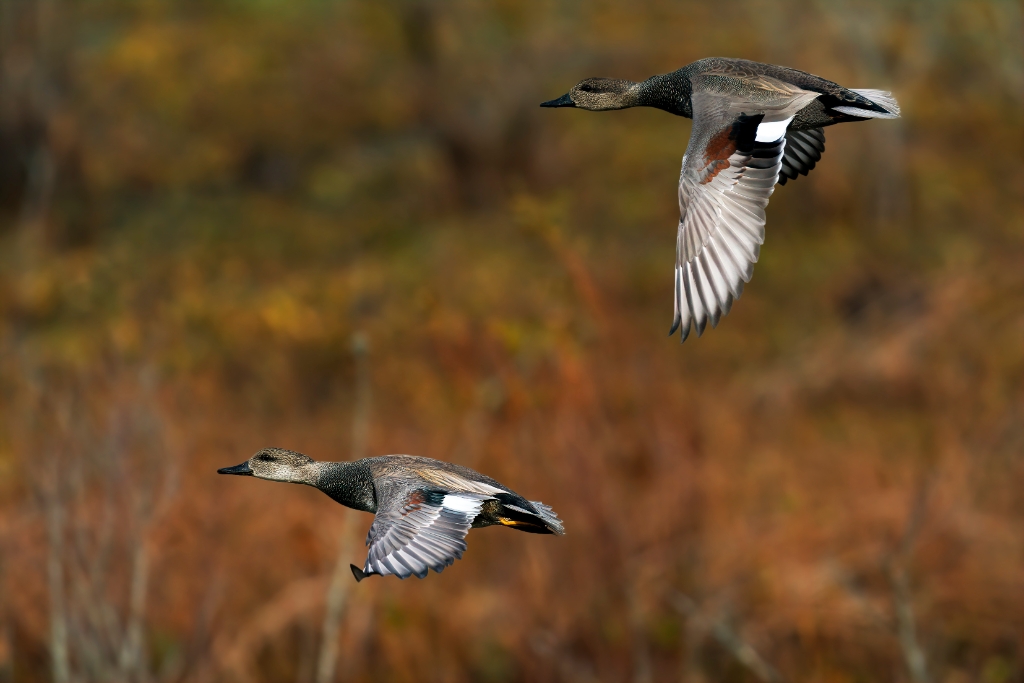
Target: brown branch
(337, 597)
(741, 650)
(570, 668)
(892, 565)
(906, 624)
(59, 659)
(913, 655)
(130, 659)
(337, 593)
(235, 654)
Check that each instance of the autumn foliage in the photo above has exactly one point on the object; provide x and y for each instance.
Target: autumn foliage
(347, 227)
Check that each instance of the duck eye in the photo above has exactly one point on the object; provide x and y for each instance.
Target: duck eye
(599, 86)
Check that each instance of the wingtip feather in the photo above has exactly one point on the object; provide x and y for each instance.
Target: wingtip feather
(685, 332)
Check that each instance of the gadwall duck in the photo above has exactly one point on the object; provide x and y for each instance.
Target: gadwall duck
(424, 508)
(753, 125)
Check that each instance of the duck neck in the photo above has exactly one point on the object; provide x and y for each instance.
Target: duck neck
(349, 483)
(668, 92)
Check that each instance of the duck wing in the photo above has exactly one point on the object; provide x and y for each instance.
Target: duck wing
(729, 171)
(417, 529)
(803, 150)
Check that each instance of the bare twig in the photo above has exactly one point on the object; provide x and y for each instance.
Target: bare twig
(59, 660)
(570, 667)
(235, 653)
(642, 669)
(893, 567)
(744, 653)
(726, 635)
(197, 661)
(337, 593)
(906, 624)
(848, 581)
(913, 655)
(131, 656)
(149, 503)
(102, 490)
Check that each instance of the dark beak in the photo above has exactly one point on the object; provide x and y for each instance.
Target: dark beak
(242, 470)
(563, 101)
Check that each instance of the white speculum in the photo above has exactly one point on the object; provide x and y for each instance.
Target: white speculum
(460, 504)
(772, 130)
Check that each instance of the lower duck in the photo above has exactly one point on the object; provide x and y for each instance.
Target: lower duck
(424, 508)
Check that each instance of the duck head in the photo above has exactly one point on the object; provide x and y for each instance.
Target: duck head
(276, 464)
(598, 94)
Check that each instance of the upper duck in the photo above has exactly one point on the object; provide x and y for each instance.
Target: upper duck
(424, 508)
(754, 125)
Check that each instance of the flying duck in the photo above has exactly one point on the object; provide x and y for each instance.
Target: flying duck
(424, 508)
(753, 125)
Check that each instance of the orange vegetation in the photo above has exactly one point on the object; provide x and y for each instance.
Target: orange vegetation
(203, 205)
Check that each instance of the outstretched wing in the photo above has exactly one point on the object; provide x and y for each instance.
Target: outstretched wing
(803, 150)
(729, 171)
(419, 529)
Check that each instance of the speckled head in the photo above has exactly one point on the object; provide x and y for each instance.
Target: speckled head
(598, 94)
(277, 464)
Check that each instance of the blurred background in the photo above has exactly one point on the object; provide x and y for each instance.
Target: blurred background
(346, 228)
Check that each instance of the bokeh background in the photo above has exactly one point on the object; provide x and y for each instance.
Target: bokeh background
(346, 228)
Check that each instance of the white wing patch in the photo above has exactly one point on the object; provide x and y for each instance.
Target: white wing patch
(772, 130)
(454, 501)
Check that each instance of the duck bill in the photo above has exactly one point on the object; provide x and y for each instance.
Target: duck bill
(241, 470)
(563, 101)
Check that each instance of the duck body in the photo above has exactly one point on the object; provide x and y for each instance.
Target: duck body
(755, 125)
(672, 92)
(355, 485)
(424, 508)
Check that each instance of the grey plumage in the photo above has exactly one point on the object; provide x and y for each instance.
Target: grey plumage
(754, 125)
(424, 508)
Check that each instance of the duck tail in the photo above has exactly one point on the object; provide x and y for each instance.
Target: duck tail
(551, 520)
(530, 516)
(882, 98)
